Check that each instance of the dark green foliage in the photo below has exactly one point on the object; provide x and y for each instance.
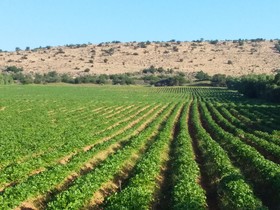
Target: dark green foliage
(202, 76)
(66, 78)
(52, 77)
(239, 41)
(172, 81)
(258, 40)
(116, 42)
(213, 41)
(38, 79)
(277, 46)
(121, 79)
(150, 79)
(254, 86)
(154, 70)
(13, 69)
(102, 79)
(219, 80)
(277, 79)
(23, 78)
(257, 86)
(6, 79)
(142, 45)
(148, 42)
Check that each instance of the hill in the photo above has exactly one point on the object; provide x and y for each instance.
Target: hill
(237, 57)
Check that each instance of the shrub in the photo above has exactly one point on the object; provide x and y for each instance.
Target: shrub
(13, 69)
(6, 79)
(229, 62)
(241, 42)
(175, 49)
(172, 81)
(52, 77)
(38, 79)
(213, 41)
(109, 51)
(277, 47)
(121, 79)
(60, 51)
(202, 76)
(142, 45)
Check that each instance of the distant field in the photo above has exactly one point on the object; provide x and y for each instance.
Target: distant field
(105, 147)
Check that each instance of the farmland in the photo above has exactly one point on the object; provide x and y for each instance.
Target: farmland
(104, 147)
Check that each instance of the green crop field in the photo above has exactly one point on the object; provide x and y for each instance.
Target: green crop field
(105, 147)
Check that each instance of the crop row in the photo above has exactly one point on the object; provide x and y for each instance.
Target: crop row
(141, 189)
(232, 189)
(263, 173)
(48, 180)
(84, 187)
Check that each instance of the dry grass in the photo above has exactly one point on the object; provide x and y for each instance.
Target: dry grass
(225, 57)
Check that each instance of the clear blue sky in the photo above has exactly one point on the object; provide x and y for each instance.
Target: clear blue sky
(37, 23)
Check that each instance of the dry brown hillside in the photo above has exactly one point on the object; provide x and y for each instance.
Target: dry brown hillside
(109, 58)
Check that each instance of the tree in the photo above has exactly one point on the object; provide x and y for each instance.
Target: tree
(66, 78)
(38, 78)
(277, 79)
(213, 41)
(201, 76)
(102, 79)
(6, 79)
(52, 77)
(26, 79)
(172, 81)
(122, 79)
(150, 79)
(277, 46)
(219, 80)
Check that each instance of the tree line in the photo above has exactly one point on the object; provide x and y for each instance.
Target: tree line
(257, 86)
(253, 86)
(149, 76)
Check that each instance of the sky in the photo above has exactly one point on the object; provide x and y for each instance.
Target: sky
(35, 23)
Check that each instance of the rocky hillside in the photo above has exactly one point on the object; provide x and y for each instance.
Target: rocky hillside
(227, 57)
